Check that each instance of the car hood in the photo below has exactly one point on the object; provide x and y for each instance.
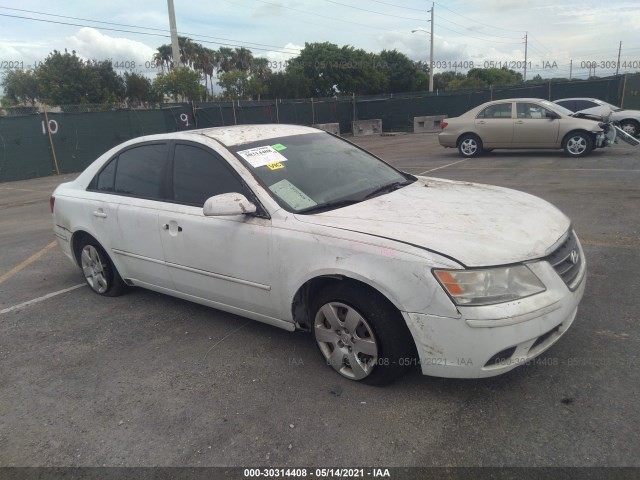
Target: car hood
(477, 225)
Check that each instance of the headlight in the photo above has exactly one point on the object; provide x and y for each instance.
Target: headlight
(484, 287)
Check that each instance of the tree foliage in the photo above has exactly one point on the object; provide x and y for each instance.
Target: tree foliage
(21, 86)
(180, 84)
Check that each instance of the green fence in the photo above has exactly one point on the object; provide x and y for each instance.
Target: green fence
(79, 134)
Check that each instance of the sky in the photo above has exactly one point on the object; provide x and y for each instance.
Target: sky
(466, 33)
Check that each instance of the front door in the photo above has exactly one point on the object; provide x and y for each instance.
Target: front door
(223, 259)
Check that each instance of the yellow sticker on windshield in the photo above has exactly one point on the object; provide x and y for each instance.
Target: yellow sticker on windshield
(274, 165)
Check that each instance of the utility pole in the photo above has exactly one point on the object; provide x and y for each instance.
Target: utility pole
(175, 47)
(526, 34)
(570, 68)
(431, 53)
(618, 64)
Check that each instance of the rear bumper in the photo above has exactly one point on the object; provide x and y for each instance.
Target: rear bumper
(64, 240)
(490, 340)
(447, 139)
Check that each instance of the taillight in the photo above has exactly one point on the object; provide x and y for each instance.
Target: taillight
(52, 202)
(444, 124)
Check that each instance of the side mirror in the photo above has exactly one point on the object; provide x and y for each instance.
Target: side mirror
(552, 115)
(227, 204)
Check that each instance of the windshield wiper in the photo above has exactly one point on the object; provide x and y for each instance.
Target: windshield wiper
(329, 205)
(387, 188)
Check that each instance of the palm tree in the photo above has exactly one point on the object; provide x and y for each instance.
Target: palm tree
(243, 59)
(163, 58)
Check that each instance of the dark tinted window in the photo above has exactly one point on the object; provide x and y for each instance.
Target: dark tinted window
(584, 104)
(140, 171)
(570, 104)
(106, 177)
(199, 174)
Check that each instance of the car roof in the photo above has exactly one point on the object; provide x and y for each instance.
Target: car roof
(578, 98)
(240, 134)
(520, 100)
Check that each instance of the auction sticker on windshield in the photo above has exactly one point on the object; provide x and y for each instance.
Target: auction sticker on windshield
(261, 156)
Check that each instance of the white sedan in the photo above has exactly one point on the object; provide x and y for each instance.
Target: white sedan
(297, 228)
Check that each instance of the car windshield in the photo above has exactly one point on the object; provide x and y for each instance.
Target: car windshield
(315, 172)
(556, 107)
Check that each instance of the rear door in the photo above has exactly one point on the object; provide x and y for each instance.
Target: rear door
(494, 125)
(137, 194)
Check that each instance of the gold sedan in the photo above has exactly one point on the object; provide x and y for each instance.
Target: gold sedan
(521, 123)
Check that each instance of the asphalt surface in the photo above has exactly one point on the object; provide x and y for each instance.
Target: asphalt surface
(149, 380)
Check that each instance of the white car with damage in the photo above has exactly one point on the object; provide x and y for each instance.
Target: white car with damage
(297, 228)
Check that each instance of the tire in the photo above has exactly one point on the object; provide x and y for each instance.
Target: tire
(577, 144)
(98, 269)
(631, 127)
(360, 334)
(469, 145)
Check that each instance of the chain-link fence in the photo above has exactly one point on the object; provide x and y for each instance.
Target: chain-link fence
(37, 141)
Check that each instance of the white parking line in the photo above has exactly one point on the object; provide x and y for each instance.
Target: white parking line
(40, 299)
(443, 166)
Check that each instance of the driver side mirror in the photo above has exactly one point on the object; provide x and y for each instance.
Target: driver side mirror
(552, 115)
(227, 204)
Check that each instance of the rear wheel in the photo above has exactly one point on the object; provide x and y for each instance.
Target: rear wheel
(98, 270)
(360, 334)
(469, 146)
(578, 144)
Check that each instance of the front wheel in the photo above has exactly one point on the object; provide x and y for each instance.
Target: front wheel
(360, 334)
(578, 144)
(470, 146)
(98, 270)
(631, 127)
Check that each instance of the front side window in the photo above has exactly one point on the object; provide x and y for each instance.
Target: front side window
(531, 110)
(501, 110)
(317, 171)
(199, 174)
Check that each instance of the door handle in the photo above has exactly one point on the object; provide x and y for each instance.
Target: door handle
(165, 226)
(519, 122)
(99, 213)
(481, 122)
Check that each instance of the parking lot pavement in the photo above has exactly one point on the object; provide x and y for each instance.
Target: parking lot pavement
(146, 379)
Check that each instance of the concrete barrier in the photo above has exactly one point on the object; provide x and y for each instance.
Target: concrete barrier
(429, 123)
(329, 127)
(366, 127)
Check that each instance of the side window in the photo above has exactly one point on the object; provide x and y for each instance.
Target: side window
(584, 104)
(140, 171)
(199, 174)
(568, 104)
(531, 110)
(106, 177)
(501, 110)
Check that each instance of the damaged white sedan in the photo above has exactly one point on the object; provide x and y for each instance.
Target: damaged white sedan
(297, 228)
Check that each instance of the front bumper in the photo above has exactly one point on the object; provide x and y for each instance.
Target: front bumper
(490, 340)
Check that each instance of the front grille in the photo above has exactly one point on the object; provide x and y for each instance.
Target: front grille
(566, 260)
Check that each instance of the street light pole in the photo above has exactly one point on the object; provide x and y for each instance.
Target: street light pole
(430, 48)
(175, 48)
